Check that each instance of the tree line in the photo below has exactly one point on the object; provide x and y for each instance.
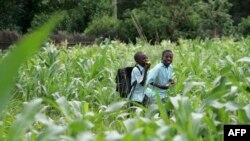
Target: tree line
(152, 20)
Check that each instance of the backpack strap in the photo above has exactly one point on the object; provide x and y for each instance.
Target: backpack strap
(135, 82)
(138, 68)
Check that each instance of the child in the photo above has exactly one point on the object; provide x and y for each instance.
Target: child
(160, 77)
(138, 78)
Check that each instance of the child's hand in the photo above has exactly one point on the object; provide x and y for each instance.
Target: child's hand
(147, 64)
(171, 81)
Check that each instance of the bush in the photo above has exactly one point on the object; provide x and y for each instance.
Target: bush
(8, 37)
(159, 20)
(38, 20)
(244, 26)
(72, 39)
(105, 26)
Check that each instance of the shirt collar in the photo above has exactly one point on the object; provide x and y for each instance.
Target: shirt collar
(141, 67)
(162, 65)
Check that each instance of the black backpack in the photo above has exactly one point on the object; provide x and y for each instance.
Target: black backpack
(123, 81)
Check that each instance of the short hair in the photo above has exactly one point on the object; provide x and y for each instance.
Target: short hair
(137, 55)
(165, 51)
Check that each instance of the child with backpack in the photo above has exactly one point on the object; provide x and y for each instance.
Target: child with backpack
(139, 78)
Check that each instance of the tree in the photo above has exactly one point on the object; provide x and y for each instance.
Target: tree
(240, 9)
(79, 13)
(17, 14)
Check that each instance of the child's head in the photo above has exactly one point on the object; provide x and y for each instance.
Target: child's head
(167, 57)
(140, 58)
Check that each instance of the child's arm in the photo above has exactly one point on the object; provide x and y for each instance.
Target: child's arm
(170, 82)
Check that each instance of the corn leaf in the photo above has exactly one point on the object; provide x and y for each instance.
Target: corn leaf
(27, 46)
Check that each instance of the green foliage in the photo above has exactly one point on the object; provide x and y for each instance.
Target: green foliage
(18, 14)
(38, 20)
(155, 20)
(124, 5)
(69, 93)
(78, 16)
(105, 26)
(244, 26)
(158, 20)
(25, 120)
(182, 19)
(215, 19)
(239, 10)
(28, 45)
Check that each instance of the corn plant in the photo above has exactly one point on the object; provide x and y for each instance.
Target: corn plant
(72, 93)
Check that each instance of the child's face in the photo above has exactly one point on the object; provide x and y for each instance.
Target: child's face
(167, 58)
(142, 60)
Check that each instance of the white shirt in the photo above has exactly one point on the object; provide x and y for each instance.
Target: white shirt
(138, 92)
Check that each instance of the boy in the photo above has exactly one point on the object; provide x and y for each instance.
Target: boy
(161, 76)
(139, 77)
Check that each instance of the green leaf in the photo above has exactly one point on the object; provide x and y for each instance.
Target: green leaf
(216, 104)
(162, 109)
(27, 46)
(130, 124)
(190, 85)
(113, 136)
(79, 126)
(152, 110)
(25, 120)
(226, 69)
(51, 132)
(220, 88)
(179, 101)
(232, 106)
(115, 106)
(180, 138)
(247, 110)
(64, 108)
(230, 60)
(86, 136)
(163, 131)
(244, 59)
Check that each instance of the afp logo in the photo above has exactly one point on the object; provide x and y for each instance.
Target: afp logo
(235, 132)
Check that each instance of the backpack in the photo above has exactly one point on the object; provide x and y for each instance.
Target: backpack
(123, 81)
